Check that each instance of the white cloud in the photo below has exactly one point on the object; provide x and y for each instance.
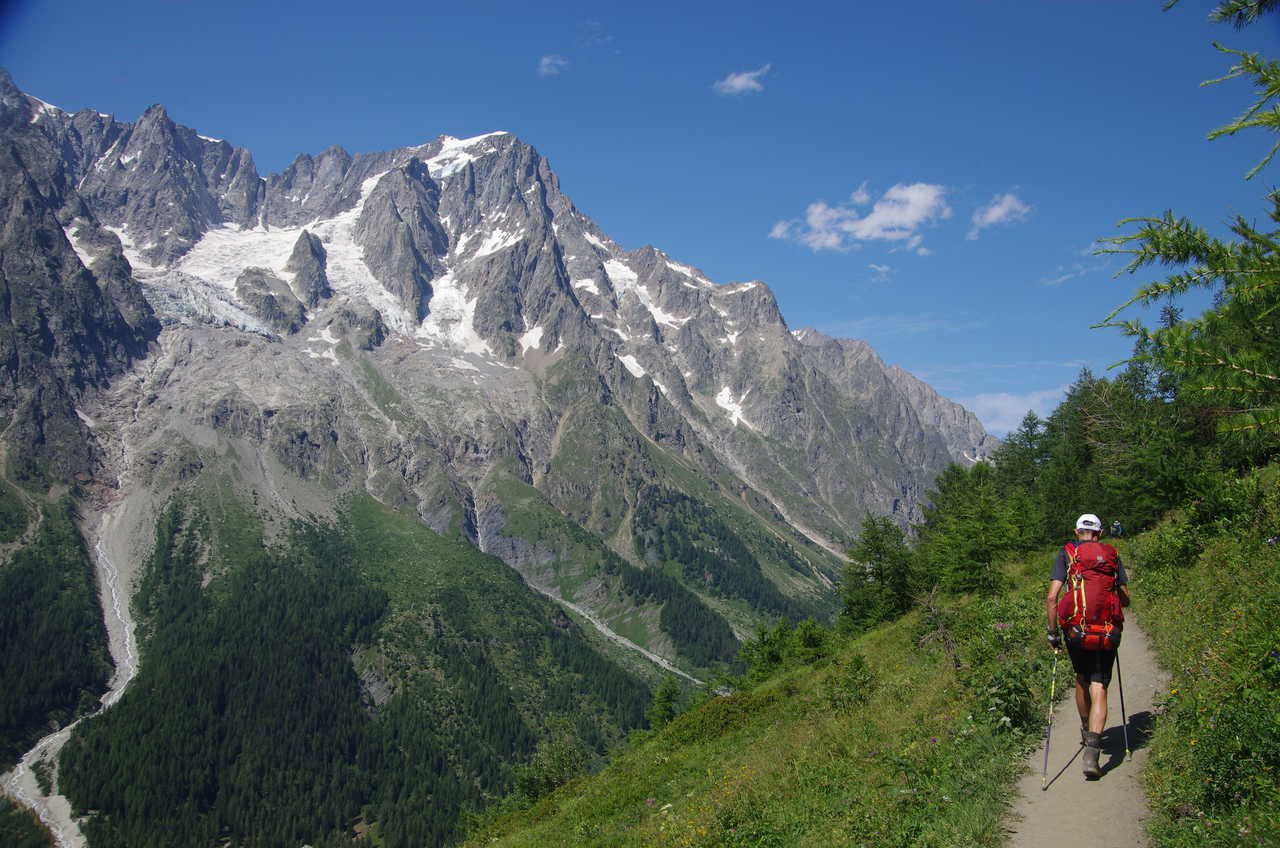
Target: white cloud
(1001, 412)
(742, 82)
(593, 35)
(896, 217)
(1063, 273)
(1005, 208)
(550, 66)
(882, 272)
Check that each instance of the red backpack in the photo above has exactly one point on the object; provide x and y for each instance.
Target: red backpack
(1090, 613)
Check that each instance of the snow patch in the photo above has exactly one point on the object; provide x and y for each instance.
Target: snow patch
(587, 284)
(85, 258)
(633, 365)
(498, 240)
(451, 318)
(324, 354)
(625, 279)
(531, 339)
(589, 237)
(734, 407)
(689, 272)
(461, 244)
(326, 335)
(462, 364)
(208, 139)
(659, 314)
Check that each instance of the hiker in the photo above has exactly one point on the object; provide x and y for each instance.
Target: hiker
(1090, 617)
(1117, 529)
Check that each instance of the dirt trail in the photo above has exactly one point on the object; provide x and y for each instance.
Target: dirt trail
(1109, 813)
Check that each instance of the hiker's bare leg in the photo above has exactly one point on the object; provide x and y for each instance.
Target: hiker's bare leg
(1082, 699)
(1097, 698)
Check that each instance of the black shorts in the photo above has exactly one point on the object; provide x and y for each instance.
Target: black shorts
(1093, 666)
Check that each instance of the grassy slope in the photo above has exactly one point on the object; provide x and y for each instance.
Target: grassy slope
(925, 759)
(1208, 587)
(783, 764)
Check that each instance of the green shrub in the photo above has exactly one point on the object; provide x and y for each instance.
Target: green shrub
(1215, 622)
(558, 760)
(850, 683)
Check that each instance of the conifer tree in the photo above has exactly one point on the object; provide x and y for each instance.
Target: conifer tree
(666, 700)
(1227, 360)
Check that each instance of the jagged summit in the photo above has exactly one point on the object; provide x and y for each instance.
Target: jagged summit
(468, 246)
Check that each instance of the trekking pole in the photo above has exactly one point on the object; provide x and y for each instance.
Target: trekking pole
(1048, 734)
(1124, 718)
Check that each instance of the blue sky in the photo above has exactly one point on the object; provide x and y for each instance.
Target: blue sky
(928, 178)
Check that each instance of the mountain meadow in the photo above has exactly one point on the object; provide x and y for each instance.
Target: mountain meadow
(387, 501)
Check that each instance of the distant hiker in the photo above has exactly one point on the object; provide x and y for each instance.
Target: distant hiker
(1117, 529)
(1090, 617)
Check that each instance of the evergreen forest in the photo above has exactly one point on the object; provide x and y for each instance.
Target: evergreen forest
(289, 700)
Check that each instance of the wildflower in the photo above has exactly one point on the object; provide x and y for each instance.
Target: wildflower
(651, 801)
(933, 739)
(1002, 625)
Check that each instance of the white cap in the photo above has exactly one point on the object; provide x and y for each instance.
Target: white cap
(1088, 521)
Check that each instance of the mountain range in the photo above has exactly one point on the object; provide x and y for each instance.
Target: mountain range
(429, 344)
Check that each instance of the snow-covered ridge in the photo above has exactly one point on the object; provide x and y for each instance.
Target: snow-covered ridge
(456, 153)
(43, 109)
(626, 280)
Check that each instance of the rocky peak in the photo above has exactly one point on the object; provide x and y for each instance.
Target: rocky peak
(467, 247)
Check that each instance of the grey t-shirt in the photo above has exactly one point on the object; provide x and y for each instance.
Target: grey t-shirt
(1060, 568)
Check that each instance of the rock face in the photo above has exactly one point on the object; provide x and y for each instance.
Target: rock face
(71, 314)
(438, 326)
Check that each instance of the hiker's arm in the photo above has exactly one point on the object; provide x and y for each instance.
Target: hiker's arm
(1051, 604)
(1123, 591)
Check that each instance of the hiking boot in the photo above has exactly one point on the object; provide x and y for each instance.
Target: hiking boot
(1092, 748)
(1084, 733)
